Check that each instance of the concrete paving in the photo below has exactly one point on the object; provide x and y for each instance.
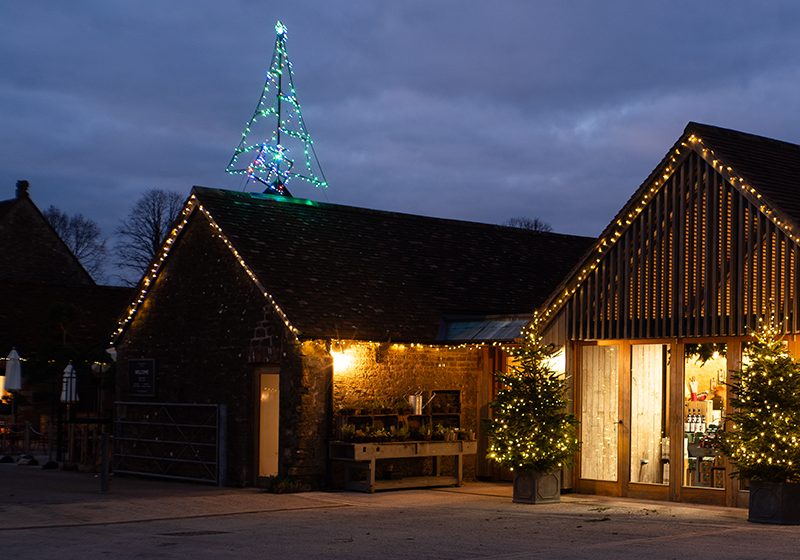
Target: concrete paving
(63, 515)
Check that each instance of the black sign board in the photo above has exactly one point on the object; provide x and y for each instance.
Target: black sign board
(142, 378)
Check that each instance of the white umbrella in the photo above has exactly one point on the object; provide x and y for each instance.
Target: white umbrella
(69, 385)
(13, 372)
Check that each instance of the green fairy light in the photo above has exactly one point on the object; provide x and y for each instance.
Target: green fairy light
(281, 131)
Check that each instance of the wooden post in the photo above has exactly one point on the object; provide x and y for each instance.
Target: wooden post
(104, 467)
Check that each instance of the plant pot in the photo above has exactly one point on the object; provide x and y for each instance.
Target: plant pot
(533, 487)
(774, 502)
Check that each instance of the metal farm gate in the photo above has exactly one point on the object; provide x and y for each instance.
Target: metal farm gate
(170, 440)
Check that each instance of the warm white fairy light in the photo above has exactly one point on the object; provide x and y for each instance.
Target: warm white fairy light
(695, 143)
(149, 279)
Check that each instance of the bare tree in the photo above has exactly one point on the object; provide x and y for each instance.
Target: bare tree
(83, 237)
(533, 224)
(142, 233)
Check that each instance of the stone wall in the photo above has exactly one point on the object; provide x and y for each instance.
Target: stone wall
(197, 322)
(374, 376)
(211, 333)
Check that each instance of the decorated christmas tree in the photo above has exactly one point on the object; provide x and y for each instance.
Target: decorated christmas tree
(276, 147)
(531, 428)
(762, 437)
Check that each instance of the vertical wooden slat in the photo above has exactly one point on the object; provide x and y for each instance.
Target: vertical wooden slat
(581, 314)
(589, 314)
(632, 284)
(625, 273)
(796, 289)
(727, 271)
(736, 248)
(787, 283)
(618, 291)
(646, 272)
(606, 293)
(759, 264)
(769, 266)
(714, 224)
(642, 271)
(741, 253)
(669, 257)
(699, 286)
(678, 273)
(596, 315)
(658, 254)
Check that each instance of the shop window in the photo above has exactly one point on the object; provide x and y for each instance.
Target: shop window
(705, 398)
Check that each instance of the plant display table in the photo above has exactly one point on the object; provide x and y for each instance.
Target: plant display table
(362, 458)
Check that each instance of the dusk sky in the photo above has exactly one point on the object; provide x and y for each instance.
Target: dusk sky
(460, 109)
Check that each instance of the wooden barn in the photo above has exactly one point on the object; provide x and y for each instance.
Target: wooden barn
(656, 314)
(270, 326)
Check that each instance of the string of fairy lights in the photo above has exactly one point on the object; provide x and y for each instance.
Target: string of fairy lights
(194, 204)
(268, 160)
(632, 210)
(530, 427)
(762, 439)
(149, 278)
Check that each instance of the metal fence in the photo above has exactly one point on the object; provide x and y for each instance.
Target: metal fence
(170, 440)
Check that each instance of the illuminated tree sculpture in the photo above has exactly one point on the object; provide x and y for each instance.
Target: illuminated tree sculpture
(531, 428)
(276, 132)
(762, 437)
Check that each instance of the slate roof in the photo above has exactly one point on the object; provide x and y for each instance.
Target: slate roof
(32, 250)
(772, 166)
(30, 314)
(341, 271)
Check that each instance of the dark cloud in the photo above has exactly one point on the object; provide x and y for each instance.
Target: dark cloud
(469, 110)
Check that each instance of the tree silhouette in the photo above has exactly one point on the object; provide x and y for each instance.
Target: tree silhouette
(83, 237)
(142, 233)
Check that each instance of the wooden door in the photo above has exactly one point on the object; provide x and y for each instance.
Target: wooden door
(599, 413)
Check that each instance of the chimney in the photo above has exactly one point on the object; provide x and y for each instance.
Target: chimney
(22, 188)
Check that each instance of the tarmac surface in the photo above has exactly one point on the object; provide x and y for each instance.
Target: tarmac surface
(62, 515)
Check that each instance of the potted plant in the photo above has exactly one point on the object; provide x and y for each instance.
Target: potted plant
(762, 436)
(531, 431)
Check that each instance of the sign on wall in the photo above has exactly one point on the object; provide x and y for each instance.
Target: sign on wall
(142, 378)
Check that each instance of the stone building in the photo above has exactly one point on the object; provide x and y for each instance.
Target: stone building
(272, 322)
(52, 311)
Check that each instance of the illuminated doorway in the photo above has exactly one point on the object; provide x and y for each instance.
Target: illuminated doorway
(269, 414)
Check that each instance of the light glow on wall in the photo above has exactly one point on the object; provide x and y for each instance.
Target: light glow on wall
(342, 362)
(558, 362)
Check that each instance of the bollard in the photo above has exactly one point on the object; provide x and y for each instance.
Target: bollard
(104, 463)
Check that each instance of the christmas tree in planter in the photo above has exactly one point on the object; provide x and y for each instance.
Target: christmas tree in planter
(531, 432)
(762, 436)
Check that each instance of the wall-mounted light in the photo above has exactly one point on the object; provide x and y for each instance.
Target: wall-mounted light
(342, 361)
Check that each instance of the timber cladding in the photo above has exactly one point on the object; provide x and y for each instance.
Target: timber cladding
(700, 259)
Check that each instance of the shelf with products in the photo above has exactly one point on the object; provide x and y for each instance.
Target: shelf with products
(439, 418)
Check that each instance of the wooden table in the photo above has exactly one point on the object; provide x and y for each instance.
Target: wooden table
(363, 457)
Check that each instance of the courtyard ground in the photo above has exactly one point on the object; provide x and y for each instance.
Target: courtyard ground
(62, 515)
